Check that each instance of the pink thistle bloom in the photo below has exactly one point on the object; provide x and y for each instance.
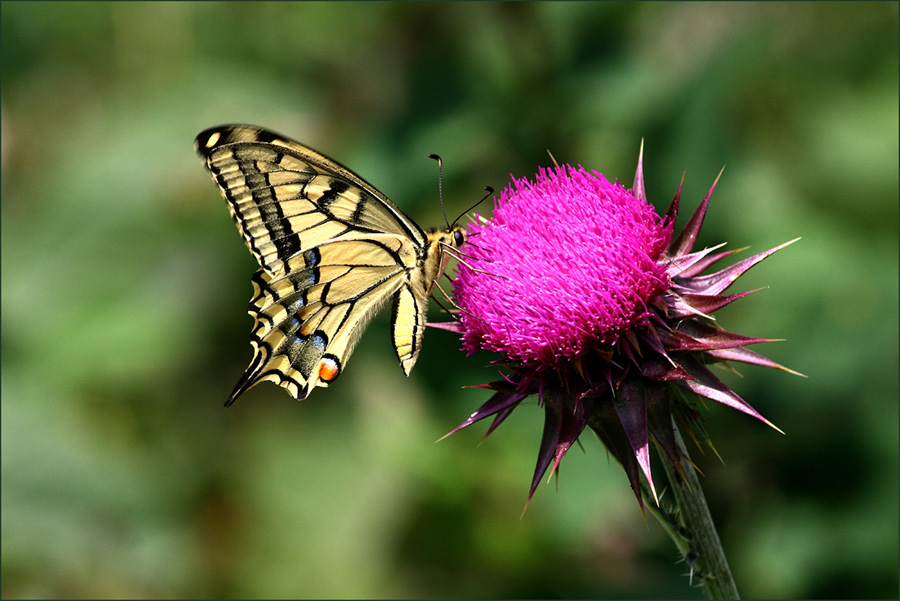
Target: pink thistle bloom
(578, 283)
(574, 260)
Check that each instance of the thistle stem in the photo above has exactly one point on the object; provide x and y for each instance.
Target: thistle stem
(694, 529)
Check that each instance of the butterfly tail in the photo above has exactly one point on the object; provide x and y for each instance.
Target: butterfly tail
(276, 348)
(263, 367)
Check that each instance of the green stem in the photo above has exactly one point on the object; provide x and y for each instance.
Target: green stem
(692, 528)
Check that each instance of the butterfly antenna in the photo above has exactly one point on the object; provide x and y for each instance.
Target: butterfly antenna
(489, 191)
(440, 185)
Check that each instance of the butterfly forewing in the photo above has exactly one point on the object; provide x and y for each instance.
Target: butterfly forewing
(333, 250)
(285, 197)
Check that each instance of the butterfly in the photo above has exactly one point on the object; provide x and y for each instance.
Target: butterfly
(332, 250)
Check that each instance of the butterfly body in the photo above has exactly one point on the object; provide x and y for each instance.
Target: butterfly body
(332, 251)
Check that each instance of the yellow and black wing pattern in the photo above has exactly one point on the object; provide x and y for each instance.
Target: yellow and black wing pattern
(332, 250)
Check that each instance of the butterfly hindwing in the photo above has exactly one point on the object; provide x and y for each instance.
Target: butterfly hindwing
(332, 249)
(408, 325)
(308, 318)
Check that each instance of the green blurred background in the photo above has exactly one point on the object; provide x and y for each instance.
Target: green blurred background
(124, 284)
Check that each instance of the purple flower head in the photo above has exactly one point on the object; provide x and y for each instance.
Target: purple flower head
(578, 283)
(573, 260)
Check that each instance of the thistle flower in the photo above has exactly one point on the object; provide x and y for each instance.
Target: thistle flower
(578, 283)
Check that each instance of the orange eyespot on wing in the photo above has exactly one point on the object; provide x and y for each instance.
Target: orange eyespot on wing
(329, 368)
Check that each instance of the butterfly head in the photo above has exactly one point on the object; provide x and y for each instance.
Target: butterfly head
(458, 235)
(442, 239)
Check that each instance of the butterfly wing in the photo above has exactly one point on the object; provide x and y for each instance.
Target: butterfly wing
(286, 198)
(309, 316)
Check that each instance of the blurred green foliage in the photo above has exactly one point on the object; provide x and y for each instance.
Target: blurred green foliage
(124, 286)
